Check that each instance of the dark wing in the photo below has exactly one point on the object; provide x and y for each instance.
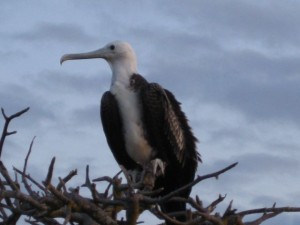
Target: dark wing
(170, 135)
(190, 141)
(113, 129)
(168, 127)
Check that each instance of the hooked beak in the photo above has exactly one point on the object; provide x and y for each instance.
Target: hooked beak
(100, 53)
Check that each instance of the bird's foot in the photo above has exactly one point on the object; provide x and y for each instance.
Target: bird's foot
(158, 167)
(151, 171)
(135, 175)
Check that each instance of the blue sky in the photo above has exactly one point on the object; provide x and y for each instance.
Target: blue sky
(234, 65)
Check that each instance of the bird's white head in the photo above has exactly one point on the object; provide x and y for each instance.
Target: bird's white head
(118, 54)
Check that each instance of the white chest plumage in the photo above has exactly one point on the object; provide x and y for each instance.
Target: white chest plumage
(137, 146)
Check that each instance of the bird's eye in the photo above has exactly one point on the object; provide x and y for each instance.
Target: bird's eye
(112, 47)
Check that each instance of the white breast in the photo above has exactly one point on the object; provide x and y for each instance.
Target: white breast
(136, 145)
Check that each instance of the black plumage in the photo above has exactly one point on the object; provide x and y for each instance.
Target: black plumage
(166, 130)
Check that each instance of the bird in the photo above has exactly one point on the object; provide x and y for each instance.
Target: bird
(143, 122)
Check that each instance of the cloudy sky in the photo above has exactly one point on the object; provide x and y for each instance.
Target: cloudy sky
(235, 66)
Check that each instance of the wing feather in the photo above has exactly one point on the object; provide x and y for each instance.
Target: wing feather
(164, 118)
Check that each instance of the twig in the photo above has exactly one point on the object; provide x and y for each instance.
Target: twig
(197, 180)
(88, 182)
(50, 173)
(31, 179)
(111, 183)
(62, 185)
(27, 156)
(129, 180)
(24, 180)
(6, 176)
(196, 205)
(263, 218)
(267, 210)
(166, 217)
(58, 194)
(5, 128)
(23, 197)
(213, 205)
(93, 210)
(104, 178)
(229, 211)
(66, 179)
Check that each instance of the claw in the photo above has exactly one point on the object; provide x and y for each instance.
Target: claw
(158, 167)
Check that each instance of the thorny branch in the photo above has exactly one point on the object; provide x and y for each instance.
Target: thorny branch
(44, 203)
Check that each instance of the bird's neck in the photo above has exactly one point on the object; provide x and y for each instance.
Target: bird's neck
(122, 71)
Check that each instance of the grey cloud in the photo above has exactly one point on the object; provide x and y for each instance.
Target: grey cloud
(275, 67)
(243, 20)
(260, 83)
(46, 31)
(89, 116)
(267, 164)
(261, 86)
(17, 97)
(64, 82)
(267, 101)
(252, 168)
(76, 94)
(8, 56)
(264, 200)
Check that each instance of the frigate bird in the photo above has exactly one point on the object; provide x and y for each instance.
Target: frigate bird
(143, 122)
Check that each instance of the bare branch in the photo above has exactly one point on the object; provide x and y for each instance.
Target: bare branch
(267, 210)
(23, 197)
(88, 182)
(24, 180)
(50, 173)
(263, 218)
(213, 205)
(66, 179)
(31, 179)
(196, 181)
(6, 176)
(5, 128)
(27, 156)
(57, 201)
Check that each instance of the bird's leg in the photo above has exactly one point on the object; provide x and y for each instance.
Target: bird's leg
(152, 170)
(135, 175)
